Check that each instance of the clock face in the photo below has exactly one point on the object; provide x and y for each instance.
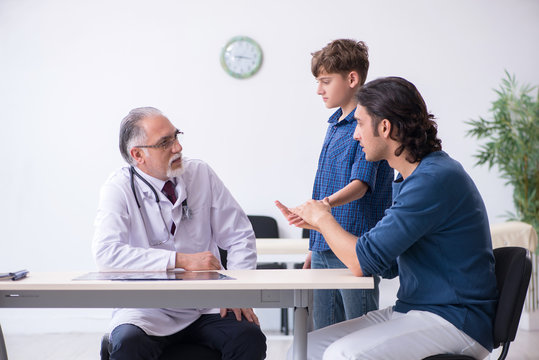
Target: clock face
(241, 57)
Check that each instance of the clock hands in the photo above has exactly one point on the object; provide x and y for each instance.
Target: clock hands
(242, 57)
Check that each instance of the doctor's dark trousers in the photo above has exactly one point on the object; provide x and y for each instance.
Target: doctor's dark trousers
(236, 340)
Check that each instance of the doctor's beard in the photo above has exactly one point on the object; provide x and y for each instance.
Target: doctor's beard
(171, 173)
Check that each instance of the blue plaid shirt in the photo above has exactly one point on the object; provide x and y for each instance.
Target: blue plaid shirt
(341, 161)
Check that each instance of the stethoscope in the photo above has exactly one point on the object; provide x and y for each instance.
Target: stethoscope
(186, 212)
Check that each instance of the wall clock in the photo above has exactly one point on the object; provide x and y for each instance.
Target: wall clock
(241, 57)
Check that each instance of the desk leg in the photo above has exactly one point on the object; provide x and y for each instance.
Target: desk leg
(300, 333)
(3, 351)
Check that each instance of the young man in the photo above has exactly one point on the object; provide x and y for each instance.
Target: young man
(358, 191)
(435, 237)
(161, 212)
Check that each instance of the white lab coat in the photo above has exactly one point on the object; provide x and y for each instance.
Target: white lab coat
(122, 232)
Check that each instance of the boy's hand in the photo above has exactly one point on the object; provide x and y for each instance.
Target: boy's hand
(307, 263)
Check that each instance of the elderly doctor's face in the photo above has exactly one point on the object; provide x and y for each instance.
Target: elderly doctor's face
(161, 156)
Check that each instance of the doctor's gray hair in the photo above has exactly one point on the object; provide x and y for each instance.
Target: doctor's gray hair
(131, 133)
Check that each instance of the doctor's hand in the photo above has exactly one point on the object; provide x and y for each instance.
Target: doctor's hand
(292, 218)
(247, 313)
(197, 261)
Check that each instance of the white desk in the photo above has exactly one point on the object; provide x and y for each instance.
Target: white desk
(251, 288)
(282, 250)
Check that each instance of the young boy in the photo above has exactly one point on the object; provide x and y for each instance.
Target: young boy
(358, 191)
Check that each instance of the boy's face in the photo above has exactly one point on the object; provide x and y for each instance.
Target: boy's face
(336, 90)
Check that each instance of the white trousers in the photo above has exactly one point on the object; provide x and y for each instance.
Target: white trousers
(385, 334)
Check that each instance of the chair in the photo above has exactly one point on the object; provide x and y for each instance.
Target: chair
(180, 351)
(266, 227)
(223, 254)
(513, 271)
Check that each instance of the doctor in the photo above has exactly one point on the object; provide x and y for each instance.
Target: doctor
(161, 212)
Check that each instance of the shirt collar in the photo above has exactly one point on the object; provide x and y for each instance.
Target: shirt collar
(179, 185)
(155, 182)
(334, 119)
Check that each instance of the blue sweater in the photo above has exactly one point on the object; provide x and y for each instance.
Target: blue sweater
(436, 237)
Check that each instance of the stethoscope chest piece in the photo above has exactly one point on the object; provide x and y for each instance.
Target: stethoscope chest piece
(186, 212)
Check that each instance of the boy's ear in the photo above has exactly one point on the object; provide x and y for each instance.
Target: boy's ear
(353, 79)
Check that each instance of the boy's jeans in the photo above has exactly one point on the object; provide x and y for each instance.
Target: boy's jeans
(333, 306)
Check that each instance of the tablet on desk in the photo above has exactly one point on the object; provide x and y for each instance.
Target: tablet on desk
(152, 275)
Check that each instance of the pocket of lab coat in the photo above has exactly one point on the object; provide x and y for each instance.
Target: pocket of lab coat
(197, 229)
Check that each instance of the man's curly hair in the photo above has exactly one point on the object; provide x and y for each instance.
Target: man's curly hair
(397, 100)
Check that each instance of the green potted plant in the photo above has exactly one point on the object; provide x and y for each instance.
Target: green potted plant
(512, 144)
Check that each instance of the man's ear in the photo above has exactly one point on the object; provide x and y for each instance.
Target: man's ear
(353, 79)
(136, 154)
(384, 128)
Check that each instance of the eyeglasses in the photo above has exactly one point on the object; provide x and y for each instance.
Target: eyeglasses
(165, 143)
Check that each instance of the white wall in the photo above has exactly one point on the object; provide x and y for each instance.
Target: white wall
(70, 70)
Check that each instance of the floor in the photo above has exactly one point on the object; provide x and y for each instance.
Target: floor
(85, 346)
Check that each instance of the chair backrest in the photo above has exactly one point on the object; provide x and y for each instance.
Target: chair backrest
(513, 271)
(264, 226)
